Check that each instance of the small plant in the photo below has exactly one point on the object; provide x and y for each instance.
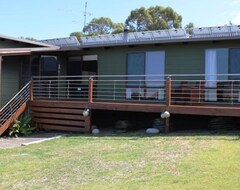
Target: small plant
(21, 126)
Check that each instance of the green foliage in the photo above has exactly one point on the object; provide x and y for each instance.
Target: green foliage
(139, 19)
(153, 18)
(118, 28)
(21, 126)
(102, 25)
(77, 34)
(189, 27)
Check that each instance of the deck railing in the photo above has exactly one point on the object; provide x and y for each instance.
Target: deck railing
(15, 103)
(103, 88)
(171, 90)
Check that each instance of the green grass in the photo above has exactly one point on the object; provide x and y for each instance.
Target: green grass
(133, 161)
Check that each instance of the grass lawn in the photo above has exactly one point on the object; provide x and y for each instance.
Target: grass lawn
(130, 161)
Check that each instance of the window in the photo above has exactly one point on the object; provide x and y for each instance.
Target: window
(151, 68)
(234, 63)
(49, 66)
(135, 66)
(220, 61)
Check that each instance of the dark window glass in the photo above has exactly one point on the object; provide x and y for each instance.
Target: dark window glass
(49, 66)
(135, 66)
(234, 63)
(35, 67)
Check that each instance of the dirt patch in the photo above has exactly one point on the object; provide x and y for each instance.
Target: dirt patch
(11, 142)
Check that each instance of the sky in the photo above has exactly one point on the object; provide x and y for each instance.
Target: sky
(46, 19)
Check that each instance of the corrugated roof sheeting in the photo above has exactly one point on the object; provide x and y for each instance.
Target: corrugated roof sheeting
(63, 42)
(147, 37)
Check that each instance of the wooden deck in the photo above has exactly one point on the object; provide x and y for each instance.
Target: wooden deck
(67, 115)
(55, 108)
(208, 110)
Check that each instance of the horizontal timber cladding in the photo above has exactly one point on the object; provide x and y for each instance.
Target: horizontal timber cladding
(10, 78)
(60, 115)
(180, 58)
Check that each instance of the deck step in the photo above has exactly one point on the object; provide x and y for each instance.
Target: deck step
(60, 115)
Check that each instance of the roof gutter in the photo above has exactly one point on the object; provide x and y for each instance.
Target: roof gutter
(25, 51)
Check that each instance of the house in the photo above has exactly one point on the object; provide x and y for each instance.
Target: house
(151, 71)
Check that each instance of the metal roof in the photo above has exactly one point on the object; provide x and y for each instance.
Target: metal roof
(63, 42)
(134, 37)
(219, 31)
(164, 36)
(149, 37)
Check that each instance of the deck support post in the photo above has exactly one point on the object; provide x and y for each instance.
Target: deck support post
(168, 102)
(90, 100)
(90, 95)
(31, 90)
(167, 125)
(168, 91)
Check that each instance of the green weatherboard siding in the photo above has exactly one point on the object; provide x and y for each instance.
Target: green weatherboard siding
(180, 58)
(10, 78)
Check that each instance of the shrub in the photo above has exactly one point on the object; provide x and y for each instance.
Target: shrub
(21, 126)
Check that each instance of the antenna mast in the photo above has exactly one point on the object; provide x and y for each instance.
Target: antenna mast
(85, 14)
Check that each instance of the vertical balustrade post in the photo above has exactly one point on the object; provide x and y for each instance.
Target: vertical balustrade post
(49, 89)
(139, 90)
(67, 89)
(90, 90)
(114, 89)
(31, 90)
(232, 92)
(169, 91)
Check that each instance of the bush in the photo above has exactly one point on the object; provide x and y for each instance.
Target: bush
(21, 126)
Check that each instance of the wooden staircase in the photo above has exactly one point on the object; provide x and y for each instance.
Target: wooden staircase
(11, 118)
(60, 115)
(14, 108)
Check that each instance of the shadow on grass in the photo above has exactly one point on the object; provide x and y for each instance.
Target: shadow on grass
(190, 134)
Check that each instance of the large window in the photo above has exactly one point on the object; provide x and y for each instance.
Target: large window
(135, 66)
(234, 63)
(219, 63)
(148, 64)
(146, 70)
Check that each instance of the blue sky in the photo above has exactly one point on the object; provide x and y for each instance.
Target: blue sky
(44, 19)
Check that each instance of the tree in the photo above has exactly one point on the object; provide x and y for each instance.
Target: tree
(153, 18)
(142, 19)
(189, 28)
(164, 18)
(118, 28)
(139, 19)
(102, 25)
(77, 34)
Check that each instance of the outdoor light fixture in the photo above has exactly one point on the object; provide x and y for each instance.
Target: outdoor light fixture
(86, 112)
(165, 115)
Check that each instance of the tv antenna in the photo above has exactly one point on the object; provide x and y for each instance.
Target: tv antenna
(85, 14)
